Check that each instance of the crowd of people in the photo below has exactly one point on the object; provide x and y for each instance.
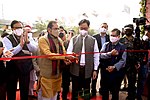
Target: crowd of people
(61, 57)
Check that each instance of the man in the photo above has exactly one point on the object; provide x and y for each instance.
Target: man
(2, 75)
(33, 77)
(71, 33)
(66, 69)
(88, 63)
(50, 67)
(101, 38)
(61, 29)
(133, 59)
(20, 46)
(113, 58)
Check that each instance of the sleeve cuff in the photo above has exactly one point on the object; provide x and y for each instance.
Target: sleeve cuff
(95, 68)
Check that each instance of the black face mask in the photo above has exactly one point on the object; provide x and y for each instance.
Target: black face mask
(128, 32)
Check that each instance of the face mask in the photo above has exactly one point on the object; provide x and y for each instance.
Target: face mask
(83, 32)
(128, 32)
(113, 39)
(18, 32)
(102, 30)
(145, 38)
(55, 33)
(30, 35)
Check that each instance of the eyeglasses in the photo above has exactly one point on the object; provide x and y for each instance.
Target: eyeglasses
(18, 27)
(104, 27)
(84, 29)
(55, 28)
(114, 35)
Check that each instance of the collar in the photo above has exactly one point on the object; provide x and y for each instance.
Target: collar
(53, 37)
(103, 35)
(115, 43)
(83, 36)
(129, 38)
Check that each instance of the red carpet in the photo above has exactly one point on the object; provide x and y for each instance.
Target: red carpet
(94, 98)
(69, 97)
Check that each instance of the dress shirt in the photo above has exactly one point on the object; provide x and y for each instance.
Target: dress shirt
(82, 59)
(8, 46)
(103, 39)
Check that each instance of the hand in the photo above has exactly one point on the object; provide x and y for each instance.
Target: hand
(26, 36)
(72, 58)
(114, 52)
(67, 62)
(137, 66)
(1, 50)
(22, 41)
(94, 75)
(110, 68)
(8, 54)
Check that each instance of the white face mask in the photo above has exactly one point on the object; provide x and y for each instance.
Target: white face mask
(30, 35)
(145, 38)
(113, 39)
(102, 30)
(18, 32)
(83, 32)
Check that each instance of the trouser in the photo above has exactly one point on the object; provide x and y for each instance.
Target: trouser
(79, 83)
(40, 94)
(131, 75)
(24, 86)
(53, 98)
(142, 73)
(11, 86)
(65, 82)
(11, 80)
(31, 87)
(32, 81)
(111, 82)
(3, 91)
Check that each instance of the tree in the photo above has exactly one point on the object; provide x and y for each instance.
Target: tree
(76, 29)
(41, 25)
(143, 13)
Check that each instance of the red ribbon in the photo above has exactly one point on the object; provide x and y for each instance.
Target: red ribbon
(46, 56)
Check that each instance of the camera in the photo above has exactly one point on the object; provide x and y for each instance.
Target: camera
(140, 21)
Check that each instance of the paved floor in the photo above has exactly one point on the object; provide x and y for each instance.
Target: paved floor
(122, 94)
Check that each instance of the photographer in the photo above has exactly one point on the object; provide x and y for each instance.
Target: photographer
(133, 62)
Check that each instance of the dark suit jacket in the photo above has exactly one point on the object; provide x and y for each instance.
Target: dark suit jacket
(2, 68)
(98, 38)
